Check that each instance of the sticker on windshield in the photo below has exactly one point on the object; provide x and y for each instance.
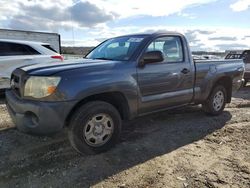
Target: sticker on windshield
(135, 39)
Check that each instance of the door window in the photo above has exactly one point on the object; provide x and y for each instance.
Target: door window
(171, 48)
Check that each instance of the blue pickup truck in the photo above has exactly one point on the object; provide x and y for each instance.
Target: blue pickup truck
(122, 78)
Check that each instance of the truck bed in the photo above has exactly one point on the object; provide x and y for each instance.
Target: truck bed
(207, 70)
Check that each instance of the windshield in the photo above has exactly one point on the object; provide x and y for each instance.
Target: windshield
(120, 49)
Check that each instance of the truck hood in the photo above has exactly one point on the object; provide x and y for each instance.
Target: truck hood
(47, 69)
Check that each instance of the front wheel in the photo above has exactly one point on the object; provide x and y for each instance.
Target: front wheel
(95, 127)
(216, 101)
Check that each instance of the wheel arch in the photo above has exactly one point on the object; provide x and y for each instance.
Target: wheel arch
(226, 82)
(117, 99)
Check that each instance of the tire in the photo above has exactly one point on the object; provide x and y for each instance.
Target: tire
(94, 128)
(216, 101)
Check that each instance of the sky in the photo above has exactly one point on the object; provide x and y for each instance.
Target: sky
(209, 25)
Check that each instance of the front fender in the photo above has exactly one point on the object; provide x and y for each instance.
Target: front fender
(78, 85)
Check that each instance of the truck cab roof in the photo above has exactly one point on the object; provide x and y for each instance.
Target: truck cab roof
(153, 34)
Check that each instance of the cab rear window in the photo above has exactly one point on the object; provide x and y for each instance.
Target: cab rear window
(233, 56)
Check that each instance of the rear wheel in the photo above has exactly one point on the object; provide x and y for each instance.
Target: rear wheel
(95, 127)
(216, 101)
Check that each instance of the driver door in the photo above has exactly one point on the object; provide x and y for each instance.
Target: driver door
(169, 83)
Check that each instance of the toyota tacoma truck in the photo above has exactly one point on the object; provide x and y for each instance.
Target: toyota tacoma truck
(122, 78)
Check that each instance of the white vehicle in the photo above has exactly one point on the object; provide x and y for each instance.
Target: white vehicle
(54, 39)
(16, 53)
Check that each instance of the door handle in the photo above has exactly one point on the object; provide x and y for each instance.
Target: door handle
(185, 71)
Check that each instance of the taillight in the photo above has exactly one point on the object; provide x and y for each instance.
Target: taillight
(58, 57)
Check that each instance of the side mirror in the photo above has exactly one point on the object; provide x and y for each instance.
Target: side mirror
(152, 57)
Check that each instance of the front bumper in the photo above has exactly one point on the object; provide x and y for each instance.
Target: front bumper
(37, 117)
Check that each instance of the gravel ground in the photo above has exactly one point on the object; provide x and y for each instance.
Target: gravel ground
(5, 121)
(181, 148)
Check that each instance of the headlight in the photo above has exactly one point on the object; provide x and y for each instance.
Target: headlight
(39, 87)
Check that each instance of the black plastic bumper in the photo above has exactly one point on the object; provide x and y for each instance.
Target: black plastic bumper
(37, 117)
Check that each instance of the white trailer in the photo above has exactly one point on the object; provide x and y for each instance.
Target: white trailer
(53, 39)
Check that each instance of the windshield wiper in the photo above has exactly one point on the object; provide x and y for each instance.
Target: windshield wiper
(103, 58)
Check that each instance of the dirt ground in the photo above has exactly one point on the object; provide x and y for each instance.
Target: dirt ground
(181, 148)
